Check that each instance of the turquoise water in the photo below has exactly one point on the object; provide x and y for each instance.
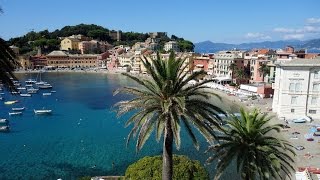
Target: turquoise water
(82, 137)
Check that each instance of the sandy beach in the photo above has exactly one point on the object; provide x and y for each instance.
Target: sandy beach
(308, 157)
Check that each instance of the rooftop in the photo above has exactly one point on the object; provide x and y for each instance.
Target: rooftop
(300, 62)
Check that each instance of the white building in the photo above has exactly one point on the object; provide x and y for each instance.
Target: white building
(171, 45)
(297, 89)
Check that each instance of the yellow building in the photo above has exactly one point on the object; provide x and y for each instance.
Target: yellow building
(69, 44)
(60, 59)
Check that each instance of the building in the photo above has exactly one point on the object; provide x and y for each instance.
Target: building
(201, 63)
(60, 59)
(68, 44)
(115, 35)
(297, 89)
(157, 34)
(231, 65)
(171, 45)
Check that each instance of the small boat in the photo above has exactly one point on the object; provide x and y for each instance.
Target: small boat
(32, 90)
(11, 102)
(4, 121)
(21, 88)
(301, 120)
(28, 85)
(310, 139)
(18, 109)
(17, 84)
(2, 93)
(53, 91)
(25, 95)
(15, 113)
(1, 98)
(45, 86)
(316, 134)
(30, 81)
(4, 128)
(43, 111)
(41, 83)
(46, 94)
(15, 92)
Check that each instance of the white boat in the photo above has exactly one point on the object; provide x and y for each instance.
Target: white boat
(32, 90)
(46, 94)
(21, 88)
(53, 91)
(45, 86)
(25, 95)
(30, 81)
(15, 113)
(43, 111)
(1, 98)
(15, 92)
(4, 128)
(18, 109)
(29, 85)
(4, 121)
(10, 102)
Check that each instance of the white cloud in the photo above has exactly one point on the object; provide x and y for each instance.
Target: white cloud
(313, 20)
(284, 30)
(293, 36)
(305, 29)
(259, 36)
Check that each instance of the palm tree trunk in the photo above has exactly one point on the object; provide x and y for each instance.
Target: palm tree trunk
(167, 161)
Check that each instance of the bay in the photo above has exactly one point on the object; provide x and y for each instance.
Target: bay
(82, 137)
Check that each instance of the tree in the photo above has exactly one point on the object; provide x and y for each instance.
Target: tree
(232, 67)
(264, 69)
(150, 168)
(7, 63)
(164, 102)
(250, 142)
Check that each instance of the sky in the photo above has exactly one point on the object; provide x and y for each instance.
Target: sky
(225, 21)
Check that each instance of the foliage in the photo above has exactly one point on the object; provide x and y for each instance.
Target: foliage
(250, 142)
(7, 64)
(85, 178)
(150, 168)
(264, 69)
(165, 101)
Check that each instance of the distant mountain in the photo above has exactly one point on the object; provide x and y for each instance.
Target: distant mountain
(208, 46)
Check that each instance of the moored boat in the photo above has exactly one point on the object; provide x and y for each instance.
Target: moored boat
(45, 86)
(46, 94)
(11, 102)
(42, 111)
(21, 88)
(15, 113)
(25, 95)
(18, 109)
(30, 81)
(4, 121)
(4, 128)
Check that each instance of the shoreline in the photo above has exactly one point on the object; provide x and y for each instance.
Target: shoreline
(308, 157)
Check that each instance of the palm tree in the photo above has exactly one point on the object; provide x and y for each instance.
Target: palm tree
(164, 102)
(7, 63)
(232, 67)
(264, 70)
(250, 143)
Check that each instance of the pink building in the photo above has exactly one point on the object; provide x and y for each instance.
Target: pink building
(200, 63)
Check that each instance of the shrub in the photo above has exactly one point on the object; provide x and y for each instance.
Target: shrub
(151, 168)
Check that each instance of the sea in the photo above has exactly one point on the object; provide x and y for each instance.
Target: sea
(82, 137)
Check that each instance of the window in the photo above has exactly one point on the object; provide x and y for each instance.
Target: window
(315, 87)
(292, 110)
(312, 111)
(294, 99)
(313, 100)
(298, 86)
(291, 87)
(316, 75)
